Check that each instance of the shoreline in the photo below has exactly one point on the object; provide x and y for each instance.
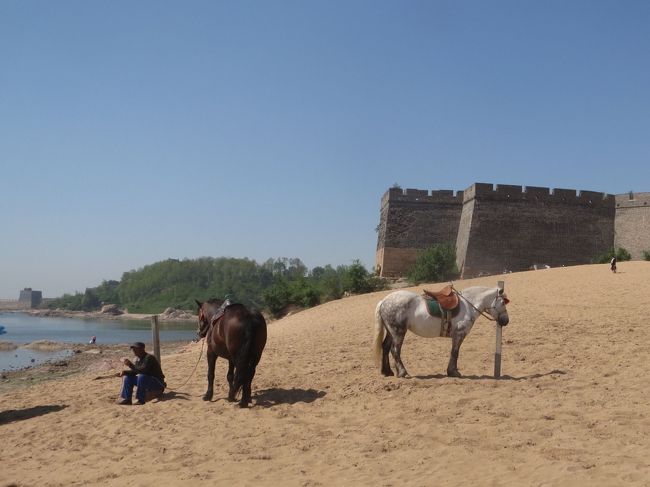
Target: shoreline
(98, 315)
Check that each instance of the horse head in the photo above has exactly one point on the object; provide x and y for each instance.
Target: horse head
(204, 321)
(498, 309)
(209, 311)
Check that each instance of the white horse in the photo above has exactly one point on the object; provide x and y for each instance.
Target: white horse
(405, 310)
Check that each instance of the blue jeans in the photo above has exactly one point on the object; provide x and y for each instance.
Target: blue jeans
(144, 383)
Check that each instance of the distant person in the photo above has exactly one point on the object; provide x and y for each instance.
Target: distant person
(612, 264)
(92, 340)
(145, 374)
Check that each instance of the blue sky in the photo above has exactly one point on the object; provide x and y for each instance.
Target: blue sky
(131, 132)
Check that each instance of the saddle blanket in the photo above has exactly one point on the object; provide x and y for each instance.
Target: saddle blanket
(434, 309)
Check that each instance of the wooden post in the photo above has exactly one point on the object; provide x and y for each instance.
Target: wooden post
(497, 353)
(155, 334)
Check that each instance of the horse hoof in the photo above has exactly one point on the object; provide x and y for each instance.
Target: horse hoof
(453, 373)
(387, 373)
(207, 397)
(243, 405)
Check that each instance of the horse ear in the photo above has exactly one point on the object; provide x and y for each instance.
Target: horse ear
(199, 303)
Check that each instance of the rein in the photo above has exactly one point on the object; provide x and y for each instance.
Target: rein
(193, 370)
(482, 313)
(205, 339)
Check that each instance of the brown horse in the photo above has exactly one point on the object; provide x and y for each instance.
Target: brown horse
(238, 335)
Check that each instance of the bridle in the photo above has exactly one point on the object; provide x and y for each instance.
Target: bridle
(204, 324)
(483, 313)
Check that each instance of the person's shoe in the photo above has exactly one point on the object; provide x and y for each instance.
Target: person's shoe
(140, 403)
(124, 402)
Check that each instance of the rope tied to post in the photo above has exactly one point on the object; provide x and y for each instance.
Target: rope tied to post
(193, 370)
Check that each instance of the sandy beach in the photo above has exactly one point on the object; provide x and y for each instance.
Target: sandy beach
(571, 409)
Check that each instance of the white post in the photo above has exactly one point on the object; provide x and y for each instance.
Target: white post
(497, 353)
(155, 334)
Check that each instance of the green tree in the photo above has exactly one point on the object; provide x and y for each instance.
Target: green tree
(277, 297)
(357, 280)
(328, 282)
(646, 255)
(107, 292)
(434, 264)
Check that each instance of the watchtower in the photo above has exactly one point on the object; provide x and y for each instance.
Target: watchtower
(30, 298)
(412, 220)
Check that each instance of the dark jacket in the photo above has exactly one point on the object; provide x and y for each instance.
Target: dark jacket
(147, 365)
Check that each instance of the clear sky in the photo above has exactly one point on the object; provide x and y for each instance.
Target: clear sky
(131, 132)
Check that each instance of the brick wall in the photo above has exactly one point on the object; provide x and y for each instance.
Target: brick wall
(512, 228)
(633, 223)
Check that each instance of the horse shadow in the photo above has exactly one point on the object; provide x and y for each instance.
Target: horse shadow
(171, 395)
(12, 415)
(275, 396)
(503, 377)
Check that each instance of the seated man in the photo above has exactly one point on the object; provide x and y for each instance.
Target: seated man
(145, 374)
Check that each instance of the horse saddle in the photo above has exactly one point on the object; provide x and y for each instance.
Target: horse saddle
(442, 304)
(221, 311)
(446, 299)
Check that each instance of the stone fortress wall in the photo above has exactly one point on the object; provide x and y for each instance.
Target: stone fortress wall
(412, 220)
(632, 223)
(509, 228)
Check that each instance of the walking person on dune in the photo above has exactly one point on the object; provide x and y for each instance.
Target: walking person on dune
(145, 374)
(613, 264)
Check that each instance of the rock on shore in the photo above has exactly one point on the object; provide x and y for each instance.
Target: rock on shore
(7, 346)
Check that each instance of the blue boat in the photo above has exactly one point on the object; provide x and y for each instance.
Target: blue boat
(2, 330)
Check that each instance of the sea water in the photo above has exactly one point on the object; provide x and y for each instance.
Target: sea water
(21, 329)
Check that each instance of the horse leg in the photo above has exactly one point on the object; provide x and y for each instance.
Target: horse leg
(246, 388)
(385, 361)
(396, 350)
(231, 380)
(212, 359)
(457, 338)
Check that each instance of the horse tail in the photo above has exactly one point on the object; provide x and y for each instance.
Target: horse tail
(247, 356)
(379, 334)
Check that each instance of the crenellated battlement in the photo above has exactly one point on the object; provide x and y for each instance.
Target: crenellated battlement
(633, 200)
(508, 192)
(411, 195)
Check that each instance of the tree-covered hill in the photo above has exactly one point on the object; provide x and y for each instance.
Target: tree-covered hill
(274, 285)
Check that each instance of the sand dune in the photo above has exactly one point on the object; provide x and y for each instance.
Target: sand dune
(572, 408)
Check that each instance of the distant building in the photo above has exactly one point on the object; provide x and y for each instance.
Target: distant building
(30, 298)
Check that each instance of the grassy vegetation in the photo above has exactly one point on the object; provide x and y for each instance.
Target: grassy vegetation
(275, 285)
